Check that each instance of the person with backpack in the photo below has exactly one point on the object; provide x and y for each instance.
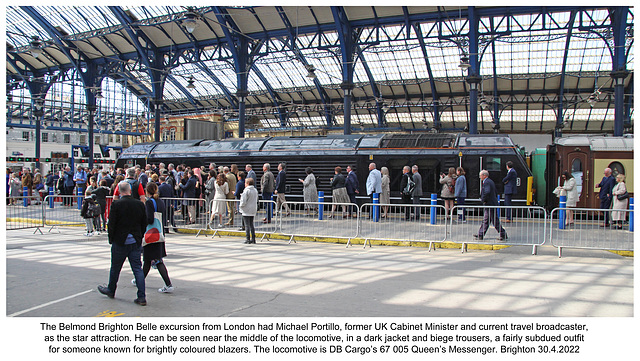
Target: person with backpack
(448, 192)
(135, 185)
(407, 186)
(90, 212)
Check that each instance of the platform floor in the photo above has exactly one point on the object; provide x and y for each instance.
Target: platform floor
(56, 274)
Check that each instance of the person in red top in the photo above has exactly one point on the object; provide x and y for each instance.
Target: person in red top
(131, 179)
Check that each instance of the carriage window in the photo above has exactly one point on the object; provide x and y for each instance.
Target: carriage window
(616, 168)
(576, 172)
(493, 164)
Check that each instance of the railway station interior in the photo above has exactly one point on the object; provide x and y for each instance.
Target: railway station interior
(547, 90)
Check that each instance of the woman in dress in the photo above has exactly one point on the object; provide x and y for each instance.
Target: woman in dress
(385, 196)
(339, 191)
(309, 191)
(448, 189)
(219, 200)
(571, 187)
(618, 217)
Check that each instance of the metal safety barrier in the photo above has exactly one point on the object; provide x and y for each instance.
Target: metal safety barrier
(524, 226)
(586, 229)
(186, 213)
(318, 219)
(63, 211)
(23, 213)
(222, 221)
(405, 222)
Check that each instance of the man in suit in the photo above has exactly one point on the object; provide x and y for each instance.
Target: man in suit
(267, 184)
(406, 196)
(606, 187)
(250, 173)
(280, 189)
(510, 188)
(352, 184)
(189, 191)
(489, 197)
(127, 224)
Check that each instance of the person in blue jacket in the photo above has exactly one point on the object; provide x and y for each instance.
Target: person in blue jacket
(510, 188)
(606, 187)
(461, 193)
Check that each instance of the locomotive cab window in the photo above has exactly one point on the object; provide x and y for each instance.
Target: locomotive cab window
(493, 164)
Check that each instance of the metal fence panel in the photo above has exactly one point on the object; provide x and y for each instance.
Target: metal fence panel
(318, 219)
(406, 222)
(587, 230)
(24, 212)
(223, 222)
(527, 226)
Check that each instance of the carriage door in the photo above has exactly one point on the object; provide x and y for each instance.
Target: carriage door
(579, 168)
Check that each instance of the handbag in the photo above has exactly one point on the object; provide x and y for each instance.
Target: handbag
(154, 233)
(623, 196)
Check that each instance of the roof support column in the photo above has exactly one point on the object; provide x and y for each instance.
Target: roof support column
(158, 78)
(347, 47)
(620, 72)
(474, 71)
(242, 63)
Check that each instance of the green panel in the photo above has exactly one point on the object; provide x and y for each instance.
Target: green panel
(538, 167)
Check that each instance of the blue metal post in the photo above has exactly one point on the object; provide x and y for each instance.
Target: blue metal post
(25, 193)
(321, 205)
(562, 213)
(376, 208)
(80, 191)
(499, 211)
(51, 194)
(434, 202)
(631, 214)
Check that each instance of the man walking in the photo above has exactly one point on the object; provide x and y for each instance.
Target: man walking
(127, 224)
(489, 197)
(510, 188)
(606, 187)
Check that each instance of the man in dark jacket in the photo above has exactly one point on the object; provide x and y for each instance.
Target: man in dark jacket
(127, 224)
(189, 191)
(267, 183)
(69, 184)
(489, 197)
(510, 188)
(281, 181)
(606, 187)
(352, 184)
(165, 190)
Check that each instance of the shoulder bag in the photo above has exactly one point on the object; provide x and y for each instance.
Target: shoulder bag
(154, 233)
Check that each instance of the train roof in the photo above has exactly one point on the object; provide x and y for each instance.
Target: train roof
(598, 142)
(316, 144)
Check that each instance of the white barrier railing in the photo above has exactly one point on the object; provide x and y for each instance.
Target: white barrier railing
(318, 219)
(222, 221)
(586, 229)
(527, 226)
(406, 222)
(24, 212)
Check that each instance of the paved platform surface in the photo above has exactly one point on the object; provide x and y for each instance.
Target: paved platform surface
(56, 274)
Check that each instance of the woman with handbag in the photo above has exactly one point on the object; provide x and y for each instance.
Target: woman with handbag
(620, 201)
(152, 253)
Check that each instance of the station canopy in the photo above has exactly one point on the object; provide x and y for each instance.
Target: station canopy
(409, 64)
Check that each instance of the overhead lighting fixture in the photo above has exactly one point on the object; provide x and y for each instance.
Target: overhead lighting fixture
(311, 71)
(190, 21)
(483, 102)
(99, 94)
(593, 98)
(190, 85)
(35, 47)
(464, 62)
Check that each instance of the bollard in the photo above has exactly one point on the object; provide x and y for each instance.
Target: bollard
(562, 213)
(51, 196)
(499, 211)
(376, 208)
(631, 214)
(321, 205)
(25, 193)
(79, 198)
(434, 202)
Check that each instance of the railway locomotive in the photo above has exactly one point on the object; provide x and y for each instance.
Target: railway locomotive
(432, 153)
